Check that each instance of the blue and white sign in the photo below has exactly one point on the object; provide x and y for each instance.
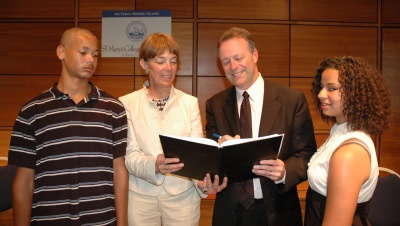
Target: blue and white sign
(123, 31)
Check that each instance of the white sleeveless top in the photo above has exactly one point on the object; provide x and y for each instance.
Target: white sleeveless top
(319, 164)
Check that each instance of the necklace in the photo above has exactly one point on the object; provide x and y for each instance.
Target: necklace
(160, 103)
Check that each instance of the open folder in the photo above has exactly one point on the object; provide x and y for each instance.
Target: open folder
(234, 158)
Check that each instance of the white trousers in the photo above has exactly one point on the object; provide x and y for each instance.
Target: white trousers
(164, 209)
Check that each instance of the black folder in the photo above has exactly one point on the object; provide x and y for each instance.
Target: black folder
(234, 158)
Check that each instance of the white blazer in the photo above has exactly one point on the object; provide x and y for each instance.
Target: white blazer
(180, 117)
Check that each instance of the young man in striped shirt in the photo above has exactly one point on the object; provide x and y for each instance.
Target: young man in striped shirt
(69, 144)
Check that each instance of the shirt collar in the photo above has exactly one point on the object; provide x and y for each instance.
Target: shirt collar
(256, 91)
(94, 92)
(93, 95)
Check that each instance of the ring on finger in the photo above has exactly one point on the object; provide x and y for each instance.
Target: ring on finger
(165, 167)
(209, 187)
(270, 172)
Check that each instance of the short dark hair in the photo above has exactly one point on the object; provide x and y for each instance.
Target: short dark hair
(68, 34)
(155, 44)
(235, 32)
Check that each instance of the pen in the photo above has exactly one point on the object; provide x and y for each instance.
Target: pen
(216, 135)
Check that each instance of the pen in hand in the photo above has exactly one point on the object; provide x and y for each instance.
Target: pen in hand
(216, 135)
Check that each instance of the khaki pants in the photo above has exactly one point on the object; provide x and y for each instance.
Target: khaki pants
(164, 209)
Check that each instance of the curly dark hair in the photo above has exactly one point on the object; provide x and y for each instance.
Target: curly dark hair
(365, 94)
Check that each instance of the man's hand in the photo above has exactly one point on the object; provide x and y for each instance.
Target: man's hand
(272, 169)
(226, 137)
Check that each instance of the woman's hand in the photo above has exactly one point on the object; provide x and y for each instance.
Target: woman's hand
(212, 188)
(167, 165)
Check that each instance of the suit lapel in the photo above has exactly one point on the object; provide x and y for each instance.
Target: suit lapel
(270, 109)
(231, 111)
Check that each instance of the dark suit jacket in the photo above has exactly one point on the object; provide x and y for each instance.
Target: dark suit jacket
(285, 110)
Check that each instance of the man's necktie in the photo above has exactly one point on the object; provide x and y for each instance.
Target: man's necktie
(246, 198)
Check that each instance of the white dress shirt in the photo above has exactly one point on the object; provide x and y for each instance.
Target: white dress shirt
(256, 92)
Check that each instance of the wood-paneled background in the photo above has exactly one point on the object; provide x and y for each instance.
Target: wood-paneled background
(292, 37)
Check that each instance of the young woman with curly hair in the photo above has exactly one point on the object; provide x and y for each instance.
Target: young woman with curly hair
(343, 173)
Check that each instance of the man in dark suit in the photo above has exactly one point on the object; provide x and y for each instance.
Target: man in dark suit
(275, 109)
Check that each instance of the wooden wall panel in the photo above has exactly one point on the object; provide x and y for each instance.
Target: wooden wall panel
(206, 88)
(37, 9)
(304, 86)
(206, 212)
(5, 137)
(281, 81)
(272, 43)
(311, 44)
(389, 151)
(390, 146)
(30, 48)
(184, 83)
(18, 90)
(179, 8)
(390, 11)
(115, 66)
(3, 216)
(334, 10)
(114, 85)
(228, 9)
(139, 81)
(94, 8)
(183, 35)
(110, 66)
(321, 137)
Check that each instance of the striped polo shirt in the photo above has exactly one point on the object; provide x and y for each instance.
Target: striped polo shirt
(71, 147)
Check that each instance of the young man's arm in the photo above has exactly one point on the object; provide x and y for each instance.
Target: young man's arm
(23, 186)
(121, 190)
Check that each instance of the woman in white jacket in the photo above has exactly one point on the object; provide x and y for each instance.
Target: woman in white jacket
(155, 196)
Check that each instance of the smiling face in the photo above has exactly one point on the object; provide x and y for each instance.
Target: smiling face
(238, 62)
(161, 69)
(78, 54)
(330, 95)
